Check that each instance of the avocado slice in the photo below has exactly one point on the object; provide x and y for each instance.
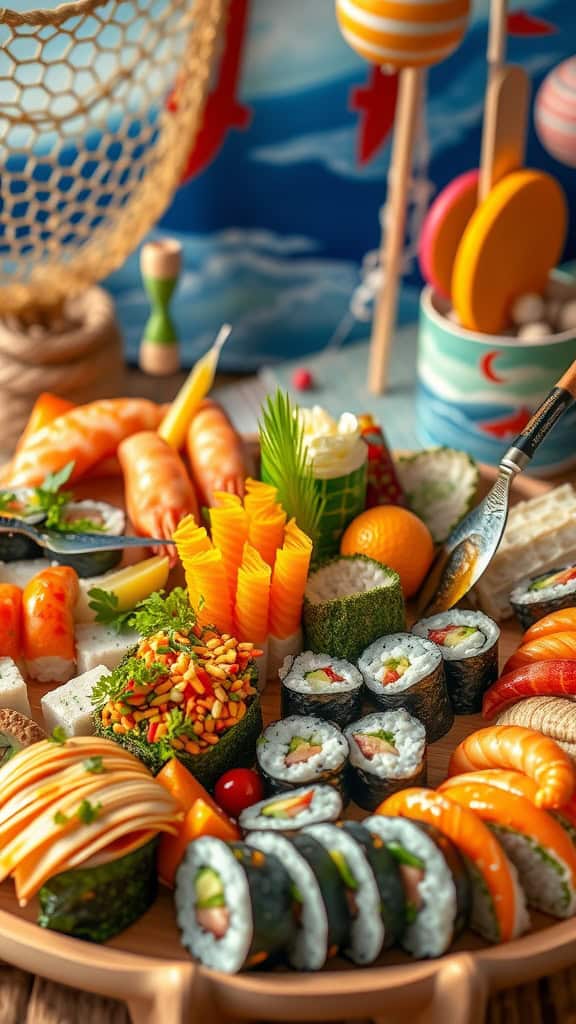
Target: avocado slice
(209, 889)
(289, 807)
(344, 869)
(403, 856)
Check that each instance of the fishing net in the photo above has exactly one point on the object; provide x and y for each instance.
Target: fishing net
(100, 103)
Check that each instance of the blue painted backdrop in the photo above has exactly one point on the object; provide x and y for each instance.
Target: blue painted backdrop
(275, 229)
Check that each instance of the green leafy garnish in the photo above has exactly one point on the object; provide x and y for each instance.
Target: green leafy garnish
(87, 812)
(51, 499)
(164, 613)
(58, 735)
(94, 765)
(60, 819)
(285, 464)
(131, 670)
(7, 499)
(104, 604)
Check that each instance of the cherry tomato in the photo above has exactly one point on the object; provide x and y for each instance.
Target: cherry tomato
(238, 789)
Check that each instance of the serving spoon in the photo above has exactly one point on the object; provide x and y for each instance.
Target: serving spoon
(77, 543)
(467, 553)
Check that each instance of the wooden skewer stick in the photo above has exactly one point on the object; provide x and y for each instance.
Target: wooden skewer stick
(406, 123)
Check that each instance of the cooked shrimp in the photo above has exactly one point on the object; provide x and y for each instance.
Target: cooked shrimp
(216, 453)
(158, 492)
(528, 751)
(84, 436)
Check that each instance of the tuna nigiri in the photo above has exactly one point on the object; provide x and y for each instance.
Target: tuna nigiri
(538, 846)
(48, 605)
(10, 621)
(512, 746)
(555, 647)
(498, 905)
(538, 679)
(563, 621)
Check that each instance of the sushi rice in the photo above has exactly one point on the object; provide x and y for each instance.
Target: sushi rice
(546, 879)
(284, 738)
(468, 643)
(541, 595)
(317, 684)
(394, 756)
(308, 805)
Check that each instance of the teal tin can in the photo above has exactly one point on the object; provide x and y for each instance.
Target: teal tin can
(477, 392)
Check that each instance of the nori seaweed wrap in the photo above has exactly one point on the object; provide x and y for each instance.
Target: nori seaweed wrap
(542, 595)
(19, 504)
(300, 750)
(317, 684)
(468, 643)
(96, 903)
(387, 753)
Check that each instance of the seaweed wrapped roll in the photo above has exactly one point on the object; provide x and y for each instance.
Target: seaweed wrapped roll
(317, 684)
(306, 806)
(233, 904)
(468, 642)
(20, 504)
(321, 910)
(300, 750)
(534, 598)
(438, 895)
(404, 671)
(373, 888)
(387, 753)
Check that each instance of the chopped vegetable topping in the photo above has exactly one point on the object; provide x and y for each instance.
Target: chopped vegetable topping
(555, 579)
(451, 636)
(394, 669)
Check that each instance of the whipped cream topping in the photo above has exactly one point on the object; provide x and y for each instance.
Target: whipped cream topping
(335, 447)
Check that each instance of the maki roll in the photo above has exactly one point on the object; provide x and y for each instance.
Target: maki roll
(387, 753)
(320, 907)
(90, 517)
(300, 750)
(306, 806)
(349, 602)
(233, 904)
(316, 684)
(468, 642)
(404, 671)
(96, 902)
(20, 504)
(372, 885)
(436, 885)
(534, 598)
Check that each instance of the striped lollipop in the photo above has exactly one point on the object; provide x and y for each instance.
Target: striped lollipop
(403, 33)
(555, 112)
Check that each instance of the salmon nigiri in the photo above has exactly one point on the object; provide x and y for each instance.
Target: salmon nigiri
(48, 604)
(498, 904)
(563, 621)
(553, 647)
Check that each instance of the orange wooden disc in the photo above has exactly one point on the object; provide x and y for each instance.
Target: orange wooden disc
(512, 242)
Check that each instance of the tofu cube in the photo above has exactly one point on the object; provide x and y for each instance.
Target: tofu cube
(13, 691)
(98, 645)
(70, 705)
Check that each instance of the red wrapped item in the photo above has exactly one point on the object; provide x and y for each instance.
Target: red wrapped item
(383, 484)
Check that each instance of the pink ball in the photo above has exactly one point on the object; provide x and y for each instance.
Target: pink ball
(555, 112)
(302, 380)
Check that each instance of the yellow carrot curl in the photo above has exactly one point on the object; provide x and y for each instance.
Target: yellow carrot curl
(258, 496)
(252, 597)
(289, 581)
(229, 525)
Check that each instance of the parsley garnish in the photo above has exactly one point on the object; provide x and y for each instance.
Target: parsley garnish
(104, 604)
(7, 499)
(133, 670)
(166, 613)
(95, 765)
(58, 735)
(87, 812)
(51, 499)
(60, 819)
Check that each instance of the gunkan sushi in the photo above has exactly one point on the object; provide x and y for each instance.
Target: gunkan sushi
(300, 750)
(534, 598)
(306, 806)
(317, 684)
(372, 885)
(320, 908)
(404, 671)
(233, 904)
(437, 889)
(387, 753)
(468, 642)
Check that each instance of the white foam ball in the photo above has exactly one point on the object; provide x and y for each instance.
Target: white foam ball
(527, 309)
(567, 316)
(535, 331)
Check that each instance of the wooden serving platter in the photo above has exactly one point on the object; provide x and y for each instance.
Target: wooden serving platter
(147, 967)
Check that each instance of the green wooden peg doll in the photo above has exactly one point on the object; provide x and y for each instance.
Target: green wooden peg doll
(160, 266)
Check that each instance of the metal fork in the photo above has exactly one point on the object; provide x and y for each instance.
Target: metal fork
(77, 543)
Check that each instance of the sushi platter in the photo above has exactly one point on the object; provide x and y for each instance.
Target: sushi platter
(146, 702)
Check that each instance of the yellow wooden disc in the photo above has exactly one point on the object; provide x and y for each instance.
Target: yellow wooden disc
(512, 242)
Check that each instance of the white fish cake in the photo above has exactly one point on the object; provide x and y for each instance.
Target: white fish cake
(70, 706)
(98, 645)
(13, 690)
(20, 573)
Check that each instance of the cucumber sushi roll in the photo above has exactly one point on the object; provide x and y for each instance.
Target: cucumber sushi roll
(320, 907)
(404, 671)
(534, 598)
(468, 642)
(387, 753)
(316, 684)
(100, 901)
(435, 880)
(300, 750)
(233, 905)
(90, 517)
(306, 806)
(372, 886)
(20, 504)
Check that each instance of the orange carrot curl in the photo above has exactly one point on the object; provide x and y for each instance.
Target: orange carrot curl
(289, 577)
(229, 525)
(252, 597)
